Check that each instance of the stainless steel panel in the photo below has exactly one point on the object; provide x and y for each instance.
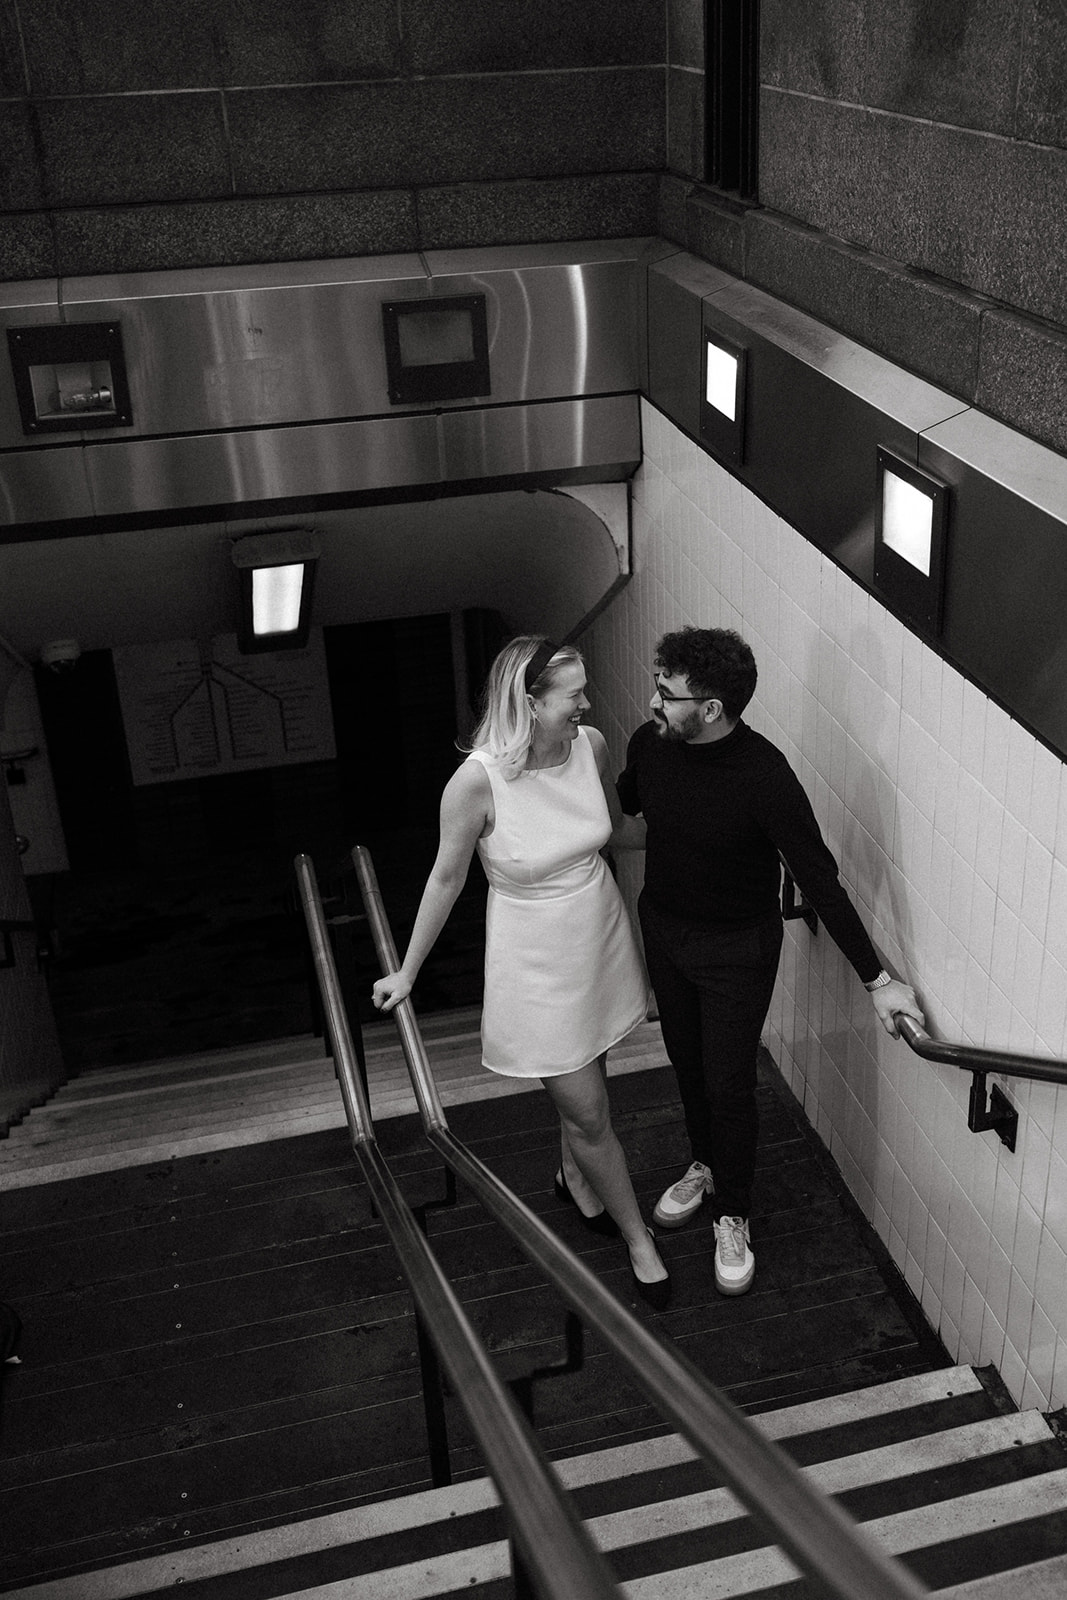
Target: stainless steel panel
(272, 464)
(601, 436)
(251, 357)
(514, 257)
(21, 304)
(557, 330)
(676, 288)
(43, 486)
(1005, 618)
(246, 347)
(191, 282)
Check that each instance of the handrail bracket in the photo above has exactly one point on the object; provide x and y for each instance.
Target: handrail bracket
(998, 1115)
(792, 907)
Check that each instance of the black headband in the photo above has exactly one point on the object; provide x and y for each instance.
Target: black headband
(538, 662)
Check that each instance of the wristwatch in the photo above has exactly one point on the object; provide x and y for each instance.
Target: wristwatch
(880, 982)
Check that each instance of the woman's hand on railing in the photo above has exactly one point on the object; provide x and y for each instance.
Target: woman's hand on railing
(390, 990)
(894, 997)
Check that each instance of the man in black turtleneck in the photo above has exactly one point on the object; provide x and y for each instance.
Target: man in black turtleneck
(721, 808)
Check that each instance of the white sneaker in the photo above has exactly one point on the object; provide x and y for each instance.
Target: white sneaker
(735, 1265)
(684, 1198)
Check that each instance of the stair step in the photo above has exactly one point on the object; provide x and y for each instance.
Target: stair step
(196, 1105)
(452, 1538)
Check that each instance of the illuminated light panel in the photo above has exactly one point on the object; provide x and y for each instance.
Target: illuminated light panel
(720, 389)
(911, 540)
(276, 596)
(907, 521)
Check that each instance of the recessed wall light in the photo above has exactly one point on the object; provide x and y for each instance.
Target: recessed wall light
(723, 373)
(910, 537)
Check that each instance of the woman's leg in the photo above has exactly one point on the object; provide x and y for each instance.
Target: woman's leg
(584, 1197)
(581, 1098)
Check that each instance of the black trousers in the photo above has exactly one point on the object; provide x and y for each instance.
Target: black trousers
(713, 988)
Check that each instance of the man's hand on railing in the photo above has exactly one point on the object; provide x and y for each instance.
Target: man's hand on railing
(892, 997)
(390, 990)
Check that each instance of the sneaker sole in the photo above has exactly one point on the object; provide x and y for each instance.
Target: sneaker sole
(734, 1288)
(666, 1221)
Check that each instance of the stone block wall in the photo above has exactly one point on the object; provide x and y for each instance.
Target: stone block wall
(140, 135)
(912, 189)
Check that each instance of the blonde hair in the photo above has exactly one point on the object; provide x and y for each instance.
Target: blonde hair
(506, 729)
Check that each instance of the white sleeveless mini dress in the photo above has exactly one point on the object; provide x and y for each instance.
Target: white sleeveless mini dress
(564, 979)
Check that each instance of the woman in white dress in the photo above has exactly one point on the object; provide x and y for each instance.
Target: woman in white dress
(564, 980)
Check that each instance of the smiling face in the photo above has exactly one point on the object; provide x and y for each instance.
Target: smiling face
(560, 708)
(682, 717)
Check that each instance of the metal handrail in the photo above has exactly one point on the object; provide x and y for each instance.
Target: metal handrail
(997, 1114)
(553, 1541)
(974, 1058)
(813, 1531)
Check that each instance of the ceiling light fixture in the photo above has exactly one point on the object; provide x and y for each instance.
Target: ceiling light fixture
(276, 572)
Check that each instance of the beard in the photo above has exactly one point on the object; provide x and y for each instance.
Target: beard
(678, 732)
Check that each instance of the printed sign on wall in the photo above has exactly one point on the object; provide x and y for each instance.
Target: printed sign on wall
(194, 712)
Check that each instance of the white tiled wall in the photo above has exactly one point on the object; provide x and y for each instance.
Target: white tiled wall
(950, 824)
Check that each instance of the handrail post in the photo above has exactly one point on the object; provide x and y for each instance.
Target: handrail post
(997, 1116)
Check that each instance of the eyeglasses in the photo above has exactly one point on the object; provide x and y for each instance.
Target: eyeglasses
(669, 698)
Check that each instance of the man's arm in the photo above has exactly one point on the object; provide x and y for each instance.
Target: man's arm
(794, 828)
(627, 833)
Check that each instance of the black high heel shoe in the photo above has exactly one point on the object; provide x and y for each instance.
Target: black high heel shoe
(602, 1223)
(658, 1294)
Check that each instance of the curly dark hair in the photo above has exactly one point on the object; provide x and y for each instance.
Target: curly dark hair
(715, 661)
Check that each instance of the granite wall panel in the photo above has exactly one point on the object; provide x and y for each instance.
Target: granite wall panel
(307, 41)
(816, 49)
(118, 46)
(715, 229)
(185, 111)
(1022, 376)
(976, 209)
(1042, 109)
(328, 136)
(198, 234)
(27, 247)
(685, 33)
(685, 122)
(469, 36)
(380, 135)
(20, 173)
(538, 210)
(672, 201)
(929, 326)
(956, 62)
(113, 148)
(12, 61)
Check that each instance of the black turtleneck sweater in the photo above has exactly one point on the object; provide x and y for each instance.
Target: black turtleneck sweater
(718, 816)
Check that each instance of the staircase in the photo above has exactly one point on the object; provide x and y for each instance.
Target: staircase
(219, 1387)
(971, 1498)
(109, 1119)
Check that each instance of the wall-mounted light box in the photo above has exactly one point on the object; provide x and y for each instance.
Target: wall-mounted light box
(436, 349)
(277, 574)
(910, 538)
(70, 375)
(723, 375)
